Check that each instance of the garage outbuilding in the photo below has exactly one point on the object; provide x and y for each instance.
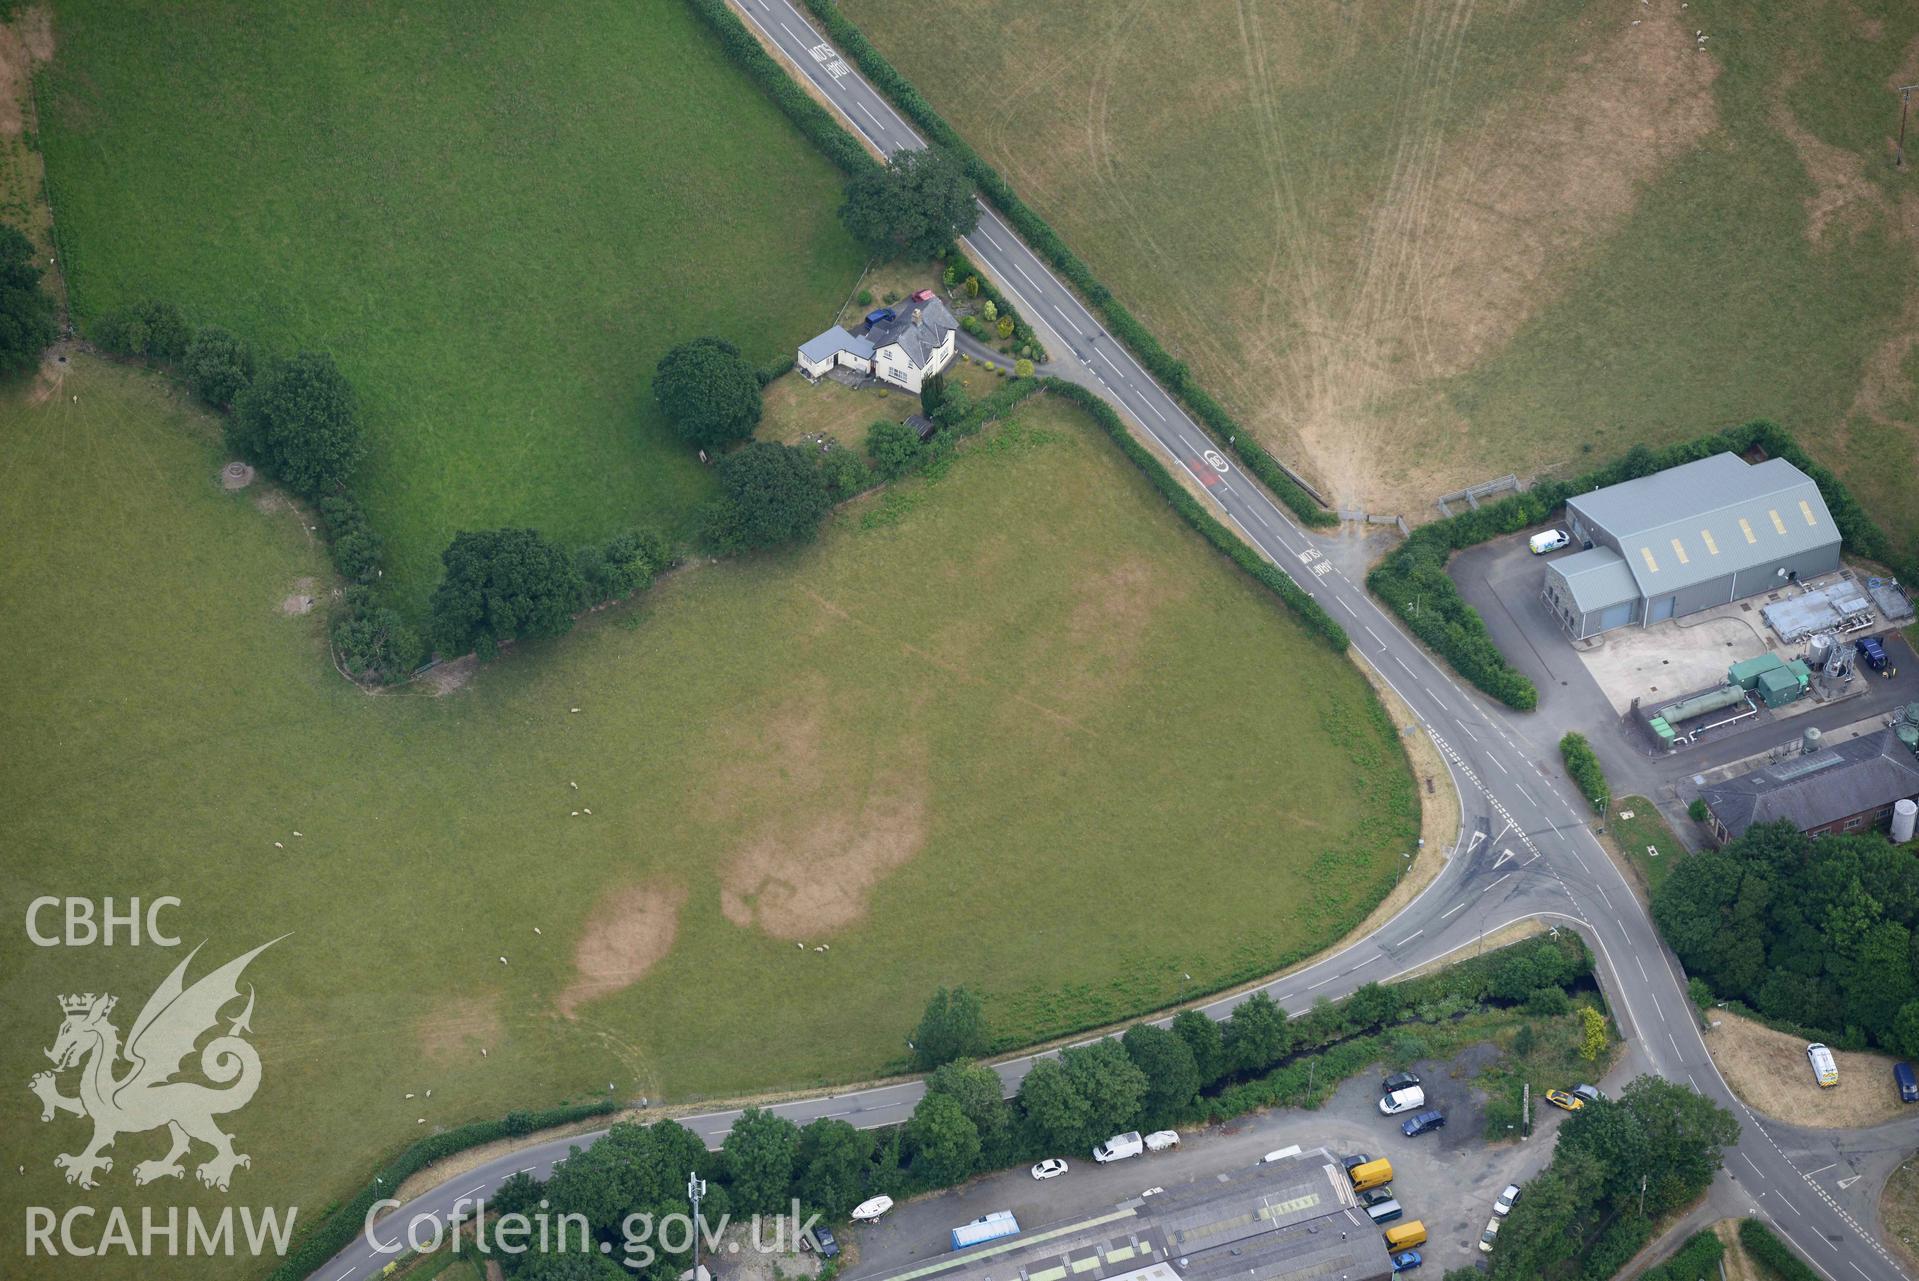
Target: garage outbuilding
(1687, 539)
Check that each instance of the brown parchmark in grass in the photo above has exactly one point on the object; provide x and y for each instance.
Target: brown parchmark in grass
(807, 873)
(627, 933)
(456, 1028)
(1769, 1071)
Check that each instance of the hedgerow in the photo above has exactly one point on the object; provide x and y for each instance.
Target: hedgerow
(812, 120)
(1699, 1257)
(1314, 615)
(1584, 767)
(1045, 242)
(340, 1225)
(1772, 1254)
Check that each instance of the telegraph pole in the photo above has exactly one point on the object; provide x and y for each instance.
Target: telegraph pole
(1905, 103)
(695, 1189)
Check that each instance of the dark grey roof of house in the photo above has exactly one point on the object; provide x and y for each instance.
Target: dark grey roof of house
(1701, 520)
(1287, 1220)
(1835, 782)
(1597, 578)
(919, 338)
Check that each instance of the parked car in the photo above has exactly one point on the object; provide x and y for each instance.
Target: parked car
(1402, 1101)
(1825, 1068)
(1051, 1168)
(1504, 1204)
(1564, 1101)
(1385, 1211)
(1423, 1122)
(1354, 1161)
(867, 1211)
(1160, 1140)
(1590, 1093)
(1490, 1235)
(1908, 1085)
(1549, 540)
(1398, 1081)
(824, 1241)
(1373, 1174)
(1406, 1261)
(1871, 652)
(1373, 1196)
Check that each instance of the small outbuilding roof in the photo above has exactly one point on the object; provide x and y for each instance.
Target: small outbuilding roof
(1597, 578)
(832, 342)
(1854, 777)
(1692, 523)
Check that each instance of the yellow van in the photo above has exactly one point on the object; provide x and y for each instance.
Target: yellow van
(1373, 1174)
(1405, 1236)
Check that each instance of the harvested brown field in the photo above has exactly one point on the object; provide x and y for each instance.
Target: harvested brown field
(1769, 1071)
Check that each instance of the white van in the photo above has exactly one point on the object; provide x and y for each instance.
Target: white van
(1119, 1147)
(1825, 1068)
(1548, 540)
(1404, 1100)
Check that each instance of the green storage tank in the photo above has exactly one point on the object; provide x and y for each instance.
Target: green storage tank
(1909, 735)
(1912, 713)
(1746, 674)
(1778, 687)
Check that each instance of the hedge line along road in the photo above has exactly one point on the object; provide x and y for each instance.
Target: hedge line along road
(1525, 851)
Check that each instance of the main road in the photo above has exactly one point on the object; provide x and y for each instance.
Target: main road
(1525, 852)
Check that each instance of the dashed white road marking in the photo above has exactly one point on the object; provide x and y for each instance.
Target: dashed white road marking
(1409, 938)
(1375, 635)
(1449, 911)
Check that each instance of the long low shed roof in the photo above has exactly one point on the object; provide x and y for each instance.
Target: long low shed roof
(1701, 520)
(1597, 578)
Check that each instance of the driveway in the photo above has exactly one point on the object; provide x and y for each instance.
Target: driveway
(1448, 1179)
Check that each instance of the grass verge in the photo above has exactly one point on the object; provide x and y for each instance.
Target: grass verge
(1648, 845)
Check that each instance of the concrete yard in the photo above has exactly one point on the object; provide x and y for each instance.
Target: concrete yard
(1447, 1179)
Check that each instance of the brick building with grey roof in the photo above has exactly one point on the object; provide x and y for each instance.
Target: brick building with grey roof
(1850, 787)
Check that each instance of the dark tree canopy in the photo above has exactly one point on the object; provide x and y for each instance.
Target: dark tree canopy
(153, 329)
(218, 365)
(760, 1156)
(1257, 1034)
(708, 392)
(894, 448)
(1058, 1117)
(301, 421)
(920, 203)
(772, 495)
(978, 1092)
(26, 313)
(945, 1144)
(1172, 1075)
(833, 1162)
(951, 1028)
(1207, 1042)
(501, 584)
(1818, 933)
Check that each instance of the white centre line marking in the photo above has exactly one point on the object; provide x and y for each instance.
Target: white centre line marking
(1449, 911)
(1322, 983)
(870, 116)
(1402, 663)
(1755, 1169)
(1789, 1205)
(1469, 731)
(1675, 1043)
(1502, 769)
(1495, 884)
(1022, 271)
(1409, 938)
(1642, 968)
(1375, 635)
(1349, 608)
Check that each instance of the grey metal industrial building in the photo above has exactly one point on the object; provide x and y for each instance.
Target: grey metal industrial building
(1285, 1220)
(1850, 787)
(1687, 539)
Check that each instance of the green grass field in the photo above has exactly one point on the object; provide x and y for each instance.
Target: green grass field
(1416, 246)
(496, 218)
(1637, 837)
(1024, 732)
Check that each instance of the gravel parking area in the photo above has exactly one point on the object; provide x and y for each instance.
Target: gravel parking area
(1448, 1178)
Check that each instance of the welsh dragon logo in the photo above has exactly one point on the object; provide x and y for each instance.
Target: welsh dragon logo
(146, 1096)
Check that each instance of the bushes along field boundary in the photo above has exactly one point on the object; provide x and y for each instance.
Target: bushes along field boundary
(1044, 241)
(1772, 1255)
(1584, 767)
(339, 1224)
(1412, 580)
